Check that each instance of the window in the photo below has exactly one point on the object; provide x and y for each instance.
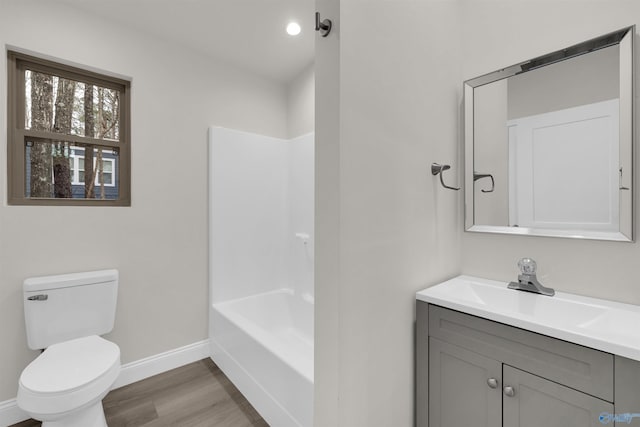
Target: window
(68, 135)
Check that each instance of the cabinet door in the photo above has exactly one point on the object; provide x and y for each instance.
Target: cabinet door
(464, 387)
(533, 402)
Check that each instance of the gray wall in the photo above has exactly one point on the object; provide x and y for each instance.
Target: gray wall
(388, 82)
(159, 244)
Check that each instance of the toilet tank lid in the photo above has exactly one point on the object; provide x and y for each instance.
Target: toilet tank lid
(44, 283)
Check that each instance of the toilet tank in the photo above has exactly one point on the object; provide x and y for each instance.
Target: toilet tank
(67, 306)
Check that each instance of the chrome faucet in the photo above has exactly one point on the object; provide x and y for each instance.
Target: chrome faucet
(527, 280)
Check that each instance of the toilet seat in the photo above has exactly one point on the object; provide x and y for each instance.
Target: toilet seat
(69, 375)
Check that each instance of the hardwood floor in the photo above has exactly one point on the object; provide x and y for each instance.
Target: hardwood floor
(195, 395)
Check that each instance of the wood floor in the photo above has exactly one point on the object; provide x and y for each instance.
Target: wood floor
(195, 395)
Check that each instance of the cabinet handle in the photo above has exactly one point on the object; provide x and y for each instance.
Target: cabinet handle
(509, 391)
(492, 383)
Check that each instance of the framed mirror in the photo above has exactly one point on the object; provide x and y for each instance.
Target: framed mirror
(549, 144)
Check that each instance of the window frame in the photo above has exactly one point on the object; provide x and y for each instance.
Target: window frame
(17, 63)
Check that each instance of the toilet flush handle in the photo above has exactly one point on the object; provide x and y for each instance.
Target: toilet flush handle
(41, 297)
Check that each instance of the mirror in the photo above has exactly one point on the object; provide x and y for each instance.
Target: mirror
(548, 144)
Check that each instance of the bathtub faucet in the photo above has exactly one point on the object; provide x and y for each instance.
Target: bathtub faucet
(304, 237)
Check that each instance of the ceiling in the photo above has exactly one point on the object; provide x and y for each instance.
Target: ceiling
(246, 33)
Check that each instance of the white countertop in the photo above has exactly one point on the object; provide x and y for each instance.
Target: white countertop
(601, 324)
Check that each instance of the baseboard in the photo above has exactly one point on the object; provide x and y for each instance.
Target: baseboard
(159, 363)
(130, 373)
(10, 413)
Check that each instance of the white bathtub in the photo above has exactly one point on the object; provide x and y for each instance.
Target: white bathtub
(264, 344)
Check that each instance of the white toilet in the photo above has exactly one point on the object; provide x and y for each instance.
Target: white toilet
(65, 314)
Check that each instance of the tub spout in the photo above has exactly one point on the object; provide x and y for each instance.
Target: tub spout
(304, 237)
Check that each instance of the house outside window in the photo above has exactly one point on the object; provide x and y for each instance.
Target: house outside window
(104, 174)
(68, 135)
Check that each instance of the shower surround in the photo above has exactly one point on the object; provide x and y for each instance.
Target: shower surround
(261, 192)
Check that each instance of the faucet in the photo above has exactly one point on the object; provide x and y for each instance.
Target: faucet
(527, 280)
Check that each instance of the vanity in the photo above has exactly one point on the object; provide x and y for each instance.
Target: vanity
(489, 356)
(549, 149)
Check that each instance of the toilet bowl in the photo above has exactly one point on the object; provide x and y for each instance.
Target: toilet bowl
(65, 385)
(65, 315)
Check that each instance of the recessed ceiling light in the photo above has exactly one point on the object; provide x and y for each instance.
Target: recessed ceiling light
(293, 28)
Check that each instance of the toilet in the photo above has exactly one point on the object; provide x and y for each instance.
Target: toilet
(65, 315)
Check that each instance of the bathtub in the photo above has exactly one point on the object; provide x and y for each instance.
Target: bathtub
(264, 344)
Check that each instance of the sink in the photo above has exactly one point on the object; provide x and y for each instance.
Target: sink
(621, 323)
(597, 323)
(496, 297)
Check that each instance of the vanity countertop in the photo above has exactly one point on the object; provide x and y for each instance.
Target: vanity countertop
(601, 324)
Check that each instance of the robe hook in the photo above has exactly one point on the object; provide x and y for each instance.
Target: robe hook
(324, 26)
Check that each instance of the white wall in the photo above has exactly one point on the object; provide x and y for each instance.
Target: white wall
(159, 244)
(387, 91)
(301, 103)
(500, 33)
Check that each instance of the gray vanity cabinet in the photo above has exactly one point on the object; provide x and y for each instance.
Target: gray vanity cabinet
(538, 402)
(464, 386)
(471, 371)
(468, 389)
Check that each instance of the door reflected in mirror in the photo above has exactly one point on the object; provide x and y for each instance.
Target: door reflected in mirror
(549, 144)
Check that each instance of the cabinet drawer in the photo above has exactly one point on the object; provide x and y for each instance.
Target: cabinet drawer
(578, 367)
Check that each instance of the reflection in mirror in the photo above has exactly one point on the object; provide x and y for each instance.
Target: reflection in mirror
(548, 144)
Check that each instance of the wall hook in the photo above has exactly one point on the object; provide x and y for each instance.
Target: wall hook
(323, 26)
(437, 169)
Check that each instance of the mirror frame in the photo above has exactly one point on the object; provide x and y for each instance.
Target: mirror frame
(625, 39)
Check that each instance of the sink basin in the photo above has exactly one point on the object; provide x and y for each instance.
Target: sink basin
(597, 323)
(496, 297)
